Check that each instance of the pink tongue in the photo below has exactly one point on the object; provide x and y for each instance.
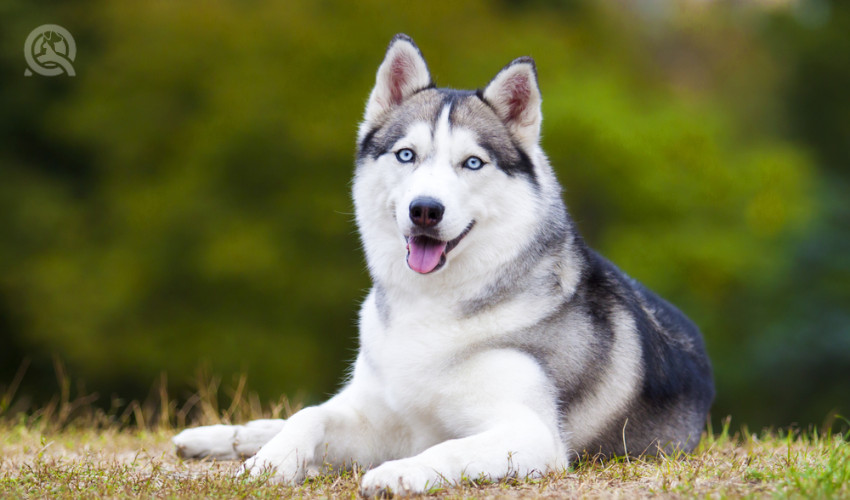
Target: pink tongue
(424, 253)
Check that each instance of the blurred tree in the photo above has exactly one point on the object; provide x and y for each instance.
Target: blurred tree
(802, 354)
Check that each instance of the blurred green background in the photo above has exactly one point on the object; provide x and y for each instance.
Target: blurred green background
(183, 202)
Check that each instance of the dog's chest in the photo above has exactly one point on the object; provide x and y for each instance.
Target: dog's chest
(417, 355)
(417, 360)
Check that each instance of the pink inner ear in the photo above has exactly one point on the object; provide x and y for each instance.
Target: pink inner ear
(518, 89)
(400, 70)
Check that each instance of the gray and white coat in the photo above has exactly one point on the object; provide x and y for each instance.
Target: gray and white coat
(494, 342)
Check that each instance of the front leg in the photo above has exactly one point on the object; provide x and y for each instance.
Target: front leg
(345, 429)
(519, 446)
(503, 408)
(292, 452)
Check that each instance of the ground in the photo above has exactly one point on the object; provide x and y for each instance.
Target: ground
(78, 461)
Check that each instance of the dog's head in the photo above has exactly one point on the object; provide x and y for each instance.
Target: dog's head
(441, 172)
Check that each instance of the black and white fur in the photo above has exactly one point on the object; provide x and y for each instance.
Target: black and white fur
(494, 342)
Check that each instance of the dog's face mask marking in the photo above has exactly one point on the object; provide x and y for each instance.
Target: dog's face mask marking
(428, 158)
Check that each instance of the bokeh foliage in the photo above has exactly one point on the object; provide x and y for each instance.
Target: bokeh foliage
(183, 201)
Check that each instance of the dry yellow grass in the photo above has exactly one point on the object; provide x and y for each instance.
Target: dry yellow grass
(85, 462)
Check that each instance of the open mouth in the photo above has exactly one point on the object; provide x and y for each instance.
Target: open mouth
(426, 254)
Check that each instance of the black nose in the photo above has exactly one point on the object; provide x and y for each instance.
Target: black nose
(426, 212)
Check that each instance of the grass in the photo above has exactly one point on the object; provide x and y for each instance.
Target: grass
(85, 462)
(69, 449)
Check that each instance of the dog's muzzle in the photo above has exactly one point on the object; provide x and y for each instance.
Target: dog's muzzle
(426, 254)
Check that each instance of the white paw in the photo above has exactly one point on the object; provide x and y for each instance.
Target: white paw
(284, 469)
(215, 441)
(400, 477)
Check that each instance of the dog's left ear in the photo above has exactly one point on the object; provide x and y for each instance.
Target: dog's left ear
(402, 73)
(515, 97)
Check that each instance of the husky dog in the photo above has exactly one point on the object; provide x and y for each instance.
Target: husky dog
(494, 342)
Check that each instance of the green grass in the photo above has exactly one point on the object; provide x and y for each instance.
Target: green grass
(71, 449)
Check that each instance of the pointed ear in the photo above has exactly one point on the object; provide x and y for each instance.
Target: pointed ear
(402, 73)
(515, 97)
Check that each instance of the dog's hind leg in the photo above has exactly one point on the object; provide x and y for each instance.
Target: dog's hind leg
(226, 442)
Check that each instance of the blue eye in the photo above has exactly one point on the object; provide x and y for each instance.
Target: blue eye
(473, 163)
(405, 155)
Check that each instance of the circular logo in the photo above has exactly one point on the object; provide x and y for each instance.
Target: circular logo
(49, 51)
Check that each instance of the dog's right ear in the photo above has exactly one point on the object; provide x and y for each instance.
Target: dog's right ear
(402, 73)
